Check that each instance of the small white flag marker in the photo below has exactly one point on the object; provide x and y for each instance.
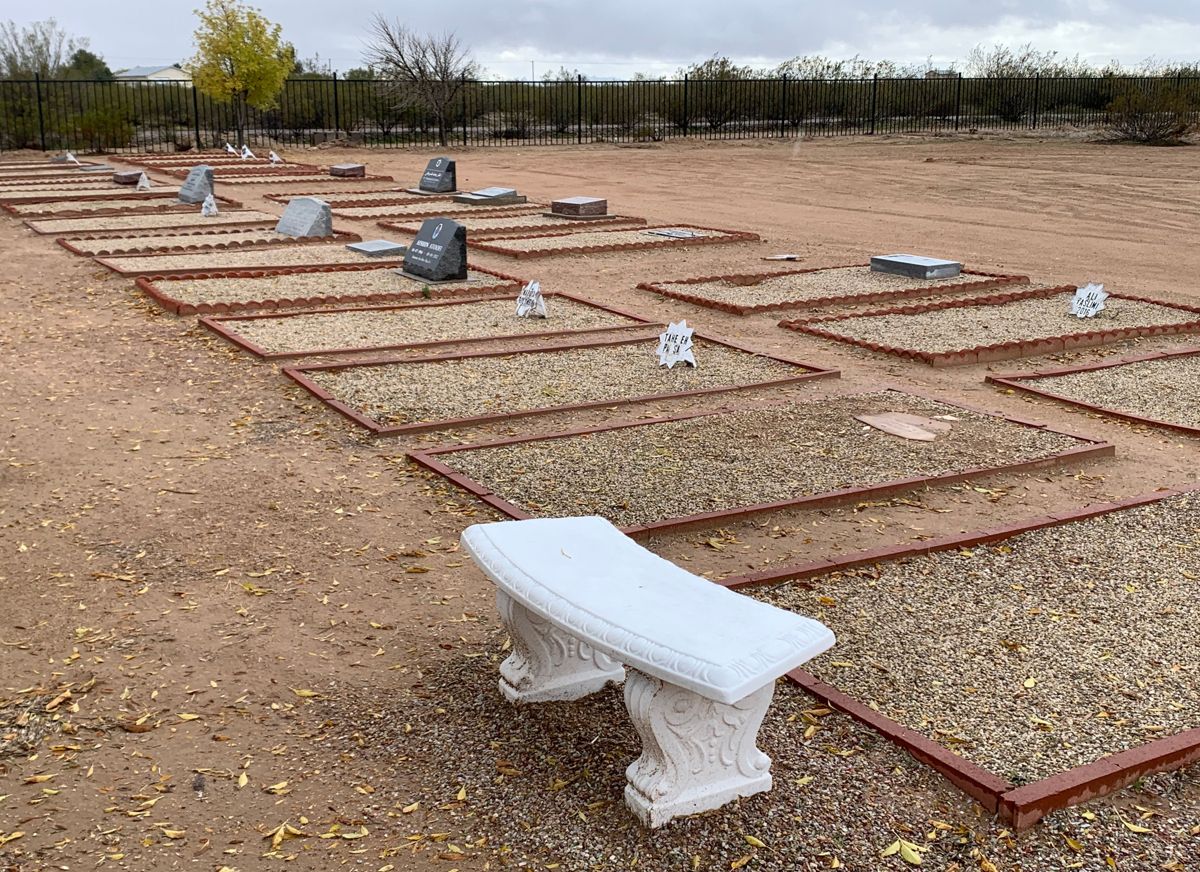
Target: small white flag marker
(275, 159)
(230, 149)
(530, 302)
(675, 345)
(143, 182)
(209, 208)
(1088, 300)
(247, 154)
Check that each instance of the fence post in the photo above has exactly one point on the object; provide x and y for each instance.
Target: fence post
(686, 120)
(783, 106)
(196, 114)
(958, 102)
(37, 83)
(874, 98)
(464, 109)
(579, 108)
(337, 112)
(1037, 87)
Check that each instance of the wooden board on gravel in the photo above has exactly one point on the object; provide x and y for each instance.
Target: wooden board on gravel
(406, 395)
(583, 240)
(710, 468)
(374, 329)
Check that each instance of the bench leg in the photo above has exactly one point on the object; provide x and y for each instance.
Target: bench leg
(546, 663)
(697, 754)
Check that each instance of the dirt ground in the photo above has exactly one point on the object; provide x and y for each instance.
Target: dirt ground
(206, 574)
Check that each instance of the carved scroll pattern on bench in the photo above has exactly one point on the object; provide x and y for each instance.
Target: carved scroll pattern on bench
(548, 663)
(697, 754)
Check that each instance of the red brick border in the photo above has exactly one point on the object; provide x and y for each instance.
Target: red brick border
(217, 323)
(299, 374)
(616, 222)
(154, 287)
(433, 211)
(1000, 350)
(1022, 806)
(89, 195)
(495, 245)
(398, 198)
(131, 248)
(231, 169)
(988, 280)
(257, 179)
(176, 229)
(104, 183)
(219, 271)
(165, 208)
(1093, 448)
(1016, 380)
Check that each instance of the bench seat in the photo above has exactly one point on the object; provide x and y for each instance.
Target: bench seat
(581, 601)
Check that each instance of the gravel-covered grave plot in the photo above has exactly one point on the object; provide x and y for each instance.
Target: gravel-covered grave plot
(426, 209)
(307, 178)
(110, 192)
(377, 196)
(58, 184)
(418, 324)
(647, 473)
(371, 283)
(424, 393)
(199, 240)
(151, 221)
(1162, 389)
(215, 261)
(505, 224)
(1007, 325)
(151, 203)
(760, 292)
(1043, 652)
(584, 240)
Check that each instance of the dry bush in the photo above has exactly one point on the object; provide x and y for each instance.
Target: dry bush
(1161, 116)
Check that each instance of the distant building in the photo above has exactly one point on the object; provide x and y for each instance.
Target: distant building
(942, 74)
(153, 74)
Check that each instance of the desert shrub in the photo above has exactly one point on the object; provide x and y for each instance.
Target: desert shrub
(1151, 116)
(104, 128)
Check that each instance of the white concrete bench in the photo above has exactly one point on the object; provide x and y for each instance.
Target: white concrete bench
(580, 599)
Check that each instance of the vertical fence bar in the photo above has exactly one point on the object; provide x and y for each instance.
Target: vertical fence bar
(337, 111)
(874, 100)
(686, 118)
(579, 109)
(958, 102)
(1037, 87)
(37, 83)
(783, 95)
(464, 111)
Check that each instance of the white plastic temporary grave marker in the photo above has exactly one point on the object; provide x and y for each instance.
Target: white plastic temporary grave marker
(275, 158)
(209, 208)
(675, 345)
(229, 148)
(1088, 300)
(530, 302)
(71, 157)
(247, 154)
(143, 182)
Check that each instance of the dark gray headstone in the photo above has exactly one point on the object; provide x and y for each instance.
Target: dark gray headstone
(439, 253)
(440, 176)
(306, 216)
(378, 248)
(197, 185)
(914, 266)
(349, 170)
(580, 207)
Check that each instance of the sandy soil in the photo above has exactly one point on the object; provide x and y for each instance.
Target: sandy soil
(228, 579)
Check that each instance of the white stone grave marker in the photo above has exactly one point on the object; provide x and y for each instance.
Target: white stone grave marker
(530, 302)
(209, 208)
(143, 182)
(1088, 300)
(675, 345)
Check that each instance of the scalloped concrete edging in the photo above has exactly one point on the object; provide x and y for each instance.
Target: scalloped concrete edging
(106, 213)
(219, 325)
(495, 246)
(299, 375)
(987, 280)
(1025, 805)
(69, 243)
(154, 286)
(1092, 448)
(1017, 381)
(396, 198)
(1000, 350)
(174, 229)
(613, 222)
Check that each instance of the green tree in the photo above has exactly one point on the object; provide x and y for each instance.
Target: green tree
(240, 58)
(86, 65)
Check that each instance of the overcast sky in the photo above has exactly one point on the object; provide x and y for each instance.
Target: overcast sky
(616, 38)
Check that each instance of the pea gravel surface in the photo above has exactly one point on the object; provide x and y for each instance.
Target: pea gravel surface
(96, 205)
(960, 327)
(360, 196)
(588, 238)
(298, 255)
(365, 282)
(405, 393)
(837, 282)
(54, 194)
(643, 474)
(150, 222)
(367, 328)
(227, 179)
(180, 241)
(427, 209)
(1044, 652)
(1166, 390)
(535, 223)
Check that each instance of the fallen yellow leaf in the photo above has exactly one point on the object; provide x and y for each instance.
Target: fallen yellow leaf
(753, 842)
(186, 716)
(409, 809)
(305, 694)
(243, 780)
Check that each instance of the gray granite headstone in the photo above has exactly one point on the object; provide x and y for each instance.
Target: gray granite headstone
(306, 216)
(915, 266)
(440, 177)
(378, 248)
(197, 185)
(439, 253)
(580, 207)
(349, 170)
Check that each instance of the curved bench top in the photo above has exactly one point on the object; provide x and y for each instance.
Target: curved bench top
(599, 585)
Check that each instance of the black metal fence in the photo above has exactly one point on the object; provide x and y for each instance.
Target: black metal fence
(145, 116)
